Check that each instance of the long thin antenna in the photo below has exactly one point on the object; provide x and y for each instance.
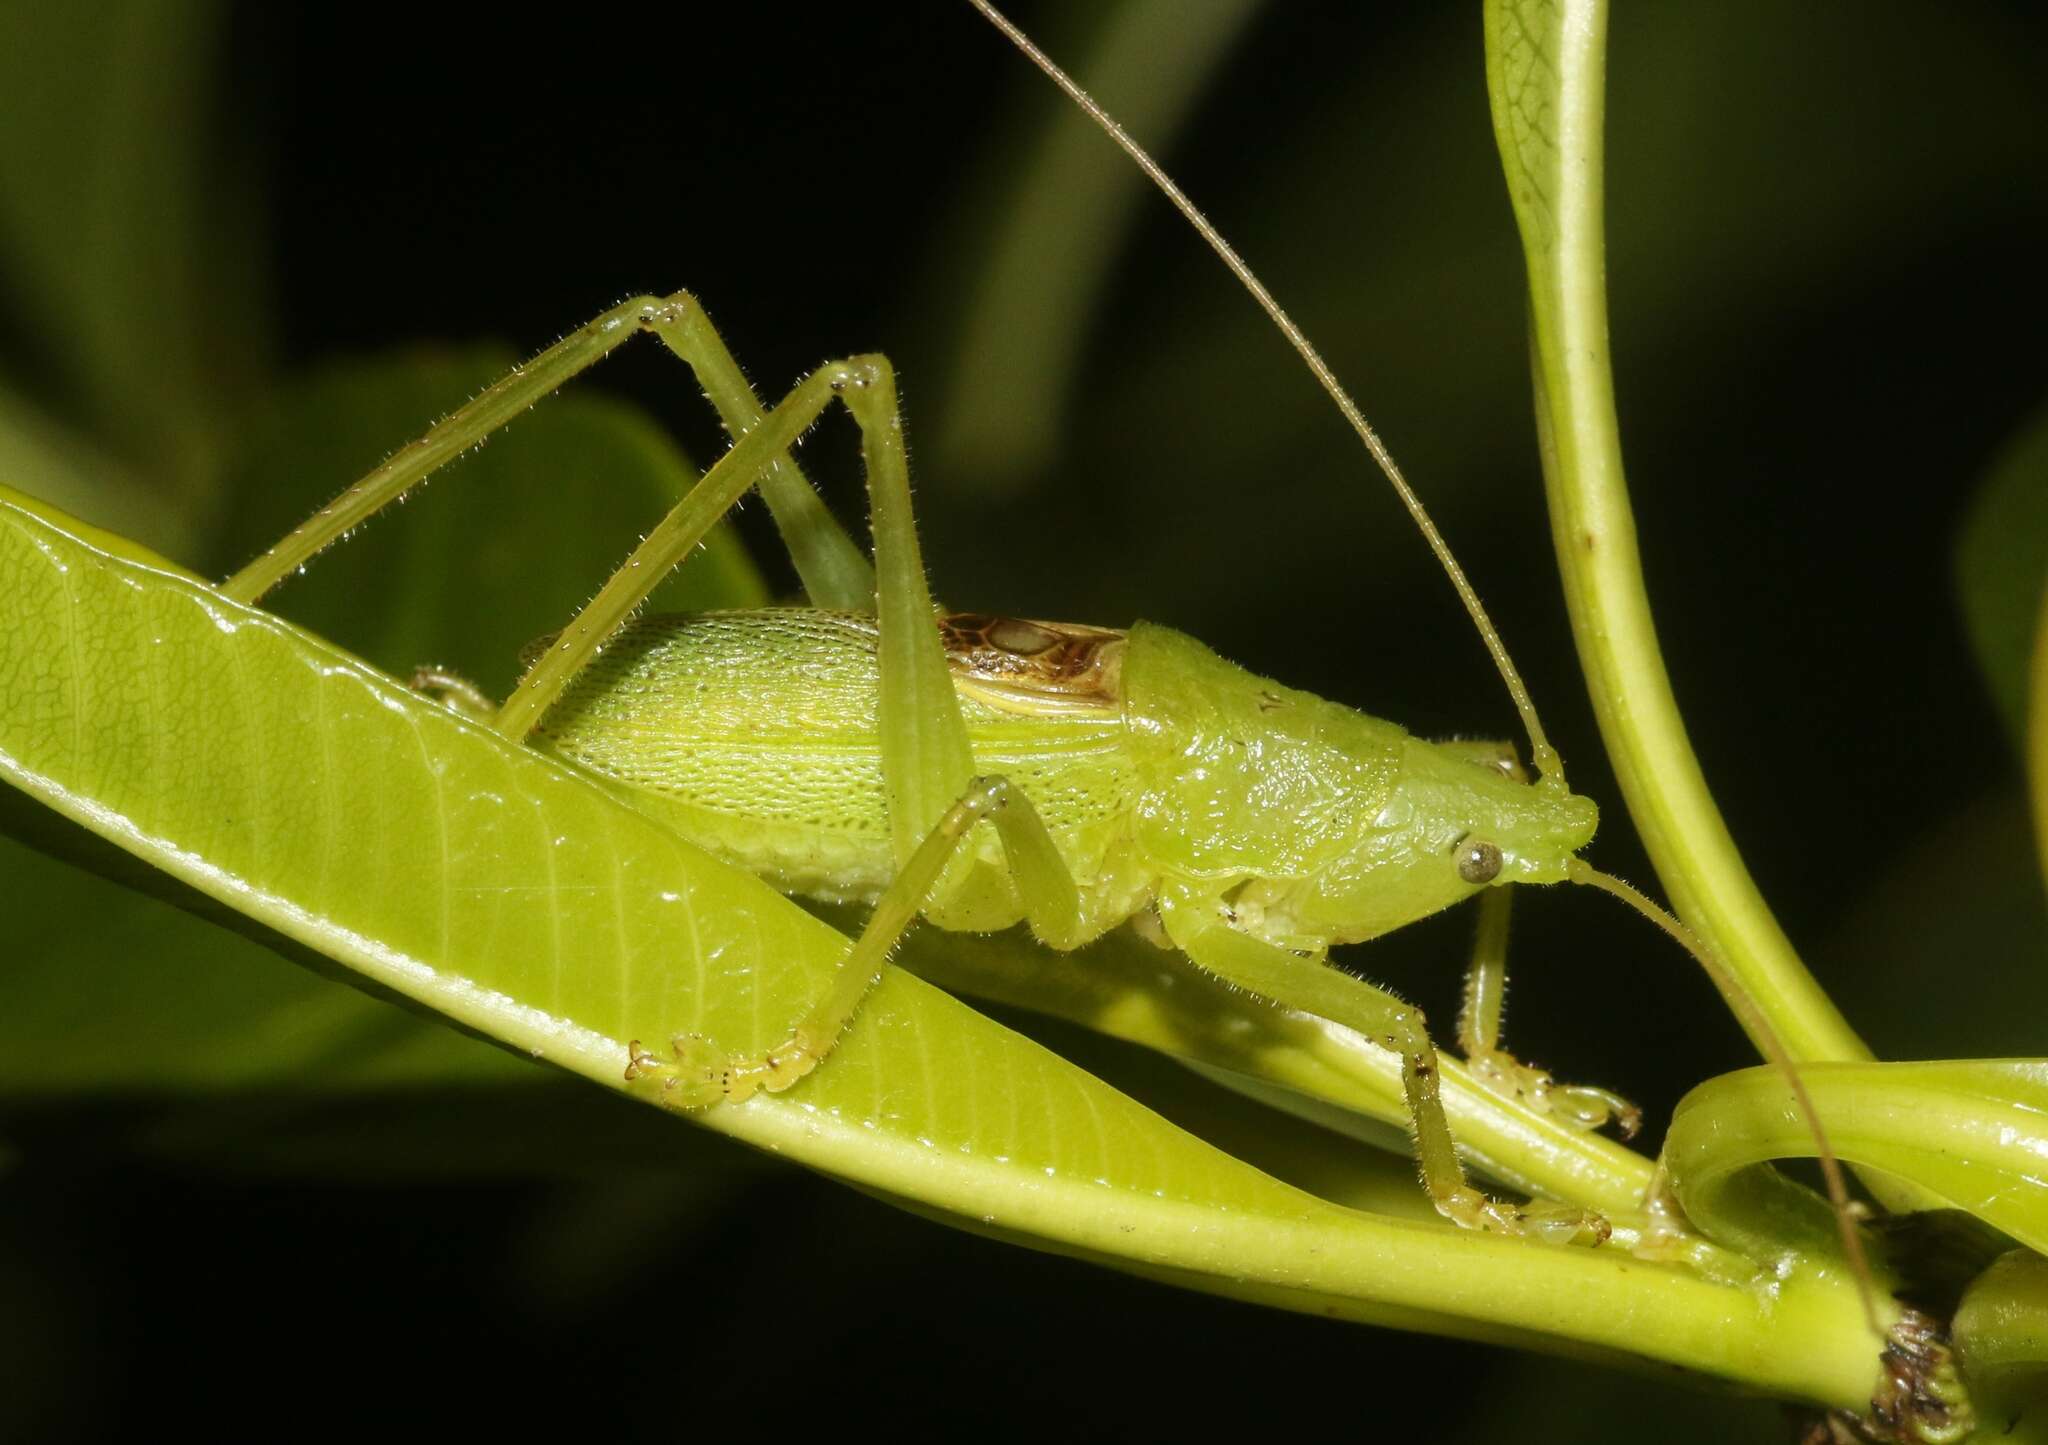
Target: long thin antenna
(1759, 1028)
(1543, 756)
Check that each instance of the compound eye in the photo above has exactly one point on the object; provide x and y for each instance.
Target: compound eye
(1479, 862)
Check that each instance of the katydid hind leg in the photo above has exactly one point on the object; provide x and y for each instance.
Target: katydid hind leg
(926, 760)
(699, 1073)
(1051, 897)
(1198, 927)
(866, 386)
(509, 396)
(828, 562)
(835, 573)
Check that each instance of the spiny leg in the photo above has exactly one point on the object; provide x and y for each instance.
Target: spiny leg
(835, 573)
(1479, 1035)
(866, 384)
(1486, 980)
(700, 1075)
(933, 801)
(925, 756)
(1198, 927)
(926, 761)
(829, 563)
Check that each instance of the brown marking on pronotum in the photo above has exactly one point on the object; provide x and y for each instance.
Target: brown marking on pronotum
(1021, 665)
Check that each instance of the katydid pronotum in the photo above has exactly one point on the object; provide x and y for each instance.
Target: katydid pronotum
(1133, 777)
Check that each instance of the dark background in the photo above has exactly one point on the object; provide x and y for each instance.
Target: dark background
(1828, 225)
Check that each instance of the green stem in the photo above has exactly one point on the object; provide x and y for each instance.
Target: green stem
(1546, 69)
(1127, 989)
(1969, 1132)
(2001, 1330)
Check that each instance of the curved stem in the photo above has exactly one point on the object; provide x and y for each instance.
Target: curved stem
(1973, 1133)
(1546, 67)
(2001, 1326)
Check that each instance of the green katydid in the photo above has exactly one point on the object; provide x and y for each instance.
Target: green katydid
(1135, 777)
(1141, 776)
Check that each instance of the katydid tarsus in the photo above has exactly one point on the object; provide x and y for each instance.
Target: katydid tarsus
(852, 751)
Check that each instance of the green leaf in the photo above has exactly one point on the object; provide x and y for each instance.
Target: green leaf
(108, 993)
(290, 782)
(115, 997)
(131, 1027)
(2001, 562)
(451, 579)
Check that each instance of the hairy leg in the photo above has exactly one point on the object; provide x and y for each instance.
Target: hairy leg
(698, 1073)
(1199, 928)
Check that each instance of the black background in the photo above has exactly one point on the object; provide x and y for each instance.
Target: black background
(1829, 303)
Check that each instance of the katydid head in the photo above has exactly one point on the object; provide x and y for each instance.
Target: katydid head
(1508, 830)
(1343, 826)
(1452, 825)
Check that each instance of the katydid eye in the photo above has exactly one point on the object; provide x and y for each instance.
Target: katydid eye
(1479, 862)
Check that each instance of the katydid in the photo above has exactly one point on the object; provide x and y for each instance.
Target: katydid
(853, 751)
(848, 753)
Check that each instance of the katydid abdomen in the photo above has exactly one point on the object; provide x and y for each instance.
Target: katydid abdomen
(755, 735)
(1157, 767)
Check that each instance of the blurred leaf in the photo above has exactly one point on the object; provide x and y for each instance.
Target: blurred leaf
(502, 547)
(1064, 215)
(43, 456)
(2001, 562)
(1946, 945)
(128, 245)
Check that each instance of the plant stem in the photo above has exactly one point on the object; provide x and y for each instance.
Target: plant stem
(1546, 69)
